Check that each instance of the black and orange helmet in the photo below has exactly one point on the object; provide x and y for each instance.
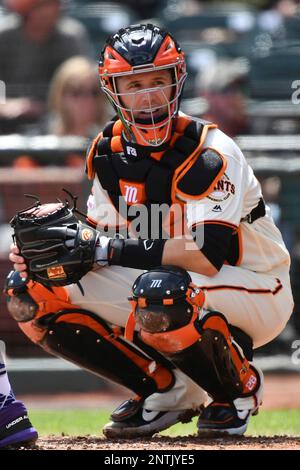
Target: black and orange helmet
(140, 49)
(163, 299)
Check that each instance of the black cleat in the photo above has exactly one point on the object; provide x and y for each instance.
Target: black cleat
(131, 420)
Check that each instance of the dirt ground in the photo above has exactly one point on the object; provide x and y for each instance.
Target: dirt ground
(162, 443)
(281, 391)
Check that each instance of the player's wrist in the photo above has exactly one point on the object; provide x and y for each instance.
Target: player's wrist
(137, 254)
(101, 250)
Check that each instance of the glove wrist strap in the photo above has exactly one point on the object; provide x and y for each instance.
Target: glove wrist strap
(138, 254)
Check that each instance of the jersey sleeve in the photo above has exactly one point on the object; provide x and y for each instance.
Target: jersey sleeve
(213, 220)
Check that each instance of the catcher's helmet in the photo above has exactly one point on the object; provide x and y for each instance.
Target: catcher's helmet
(139, 49)
(165, 299)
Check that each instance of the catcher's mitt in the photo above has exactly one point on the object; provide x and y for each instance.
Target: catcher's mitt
(58, 248)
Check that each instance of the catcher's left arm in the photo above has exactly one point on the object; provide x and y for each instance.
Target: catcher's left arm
(57, 248)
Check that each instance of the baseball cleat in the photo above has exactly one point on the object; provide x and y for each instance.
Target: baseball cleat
(15, 428)
(231, 418)
(224, 418)
(131, 420)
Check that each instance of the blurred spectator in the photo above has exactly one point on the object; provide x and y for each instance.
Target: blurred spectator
(224, 85)
(76, 104)
(274, 14)
(271, 189)
(76, 107)
(33, 44)
(25, 162)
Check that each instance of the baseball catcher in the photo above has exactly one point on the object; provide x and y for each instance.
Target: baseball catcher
(177, 215)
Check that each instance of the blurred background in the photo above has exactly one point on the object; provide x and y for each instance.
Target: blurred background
(244, 74)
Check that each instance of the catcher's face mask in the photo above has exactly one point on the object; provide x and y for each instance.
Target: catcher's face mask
(142, 71)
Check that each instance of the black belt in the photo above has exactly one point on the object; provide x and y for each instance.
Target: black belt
(256, 213)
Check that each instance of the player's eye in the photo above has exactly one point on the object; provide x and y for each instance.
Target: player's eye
(134, 86)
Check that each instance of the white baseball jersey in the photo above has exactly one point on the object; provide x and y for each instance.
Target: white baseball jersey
(236, 194)
(254, 296)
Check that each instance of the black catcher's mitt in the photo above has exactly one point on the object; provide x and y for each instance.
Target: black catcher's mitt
(58, 248)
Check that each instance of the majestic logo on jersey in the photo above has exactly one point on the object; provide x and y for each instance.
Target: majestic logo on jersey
(217, 208)
(133, 193)
(222, 191)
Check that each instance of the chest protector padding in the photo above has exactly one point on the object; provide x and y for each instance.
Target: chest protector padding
(200, 178)
(156, 175)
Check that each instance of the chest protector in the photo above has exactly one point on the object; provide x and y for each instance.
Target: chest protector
(138, 175)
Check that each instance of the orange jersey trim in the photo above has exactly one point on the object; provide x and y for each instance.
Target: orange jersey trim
(242, 288)
(216, 222)
(90, 157)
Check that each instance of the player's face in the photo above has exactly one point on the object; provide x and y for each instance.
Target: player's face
(146, 94)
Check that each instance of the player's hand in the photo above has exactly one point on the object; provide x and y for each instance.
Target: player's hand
(19, 263)
(45, 209)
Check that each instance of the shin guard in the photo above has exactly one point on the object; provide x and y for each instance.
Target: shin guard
(166, 306)
(83, 338)
(206, 352)
(49, 319)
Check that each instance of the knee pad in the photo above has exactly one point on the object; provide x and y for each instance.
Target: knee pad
(31, 304)
(168, 317)
(49, 319)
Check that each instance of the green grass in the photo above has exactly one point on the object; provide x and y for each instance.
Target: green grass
(69, 421)
(91, 421)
